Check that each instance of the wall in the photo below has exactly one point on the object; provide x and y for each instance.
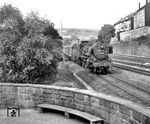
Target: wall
(113, 110)
(147, 15)
(132, 34)
(124, 48)
(132, 48)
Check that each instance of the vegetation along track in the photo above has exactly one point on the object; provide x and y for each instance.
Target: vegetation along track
(141, 93)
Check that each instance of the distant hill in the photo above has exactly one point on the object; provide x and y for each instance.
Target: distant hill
(79, 33)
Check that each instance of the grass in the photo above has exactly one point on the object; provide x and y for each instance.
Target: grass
(86, 76)
(65, 78)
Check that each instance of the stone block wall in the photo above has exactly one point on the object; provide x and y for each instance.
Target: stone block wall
(113, 110)
(132, 34)
(132, 48)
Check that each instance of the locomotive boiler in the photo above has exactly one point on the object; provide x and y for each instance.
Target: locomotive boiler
(93, 56)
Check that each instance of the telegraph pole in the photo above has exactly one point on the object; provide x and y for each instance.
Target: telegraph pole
(61, 28)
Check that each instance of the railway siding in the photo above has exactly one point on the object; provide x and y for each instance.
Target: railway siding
(132, 63)
(112, 109)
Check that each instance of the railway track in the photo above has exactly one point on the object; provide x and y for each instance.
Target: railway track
(141, 93)
(139, 59)
(134, 66)
(132, 63)
(140, 70)
(113, 85)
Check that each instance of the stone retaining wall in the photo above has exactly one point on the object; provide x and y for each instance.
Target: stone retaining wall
(132, 48)
(113, 110)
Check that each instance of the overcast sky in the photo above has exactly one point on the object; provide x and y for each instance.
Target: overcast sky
(78, 13)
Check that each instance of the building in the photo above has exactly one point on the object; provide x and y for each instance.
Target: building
(135, 24)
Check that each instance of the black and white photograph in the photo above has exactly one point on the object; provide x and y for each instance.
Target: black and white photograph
(74, 61)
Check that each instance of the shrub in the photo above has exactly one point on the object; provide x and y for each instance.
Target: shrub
(27, 50)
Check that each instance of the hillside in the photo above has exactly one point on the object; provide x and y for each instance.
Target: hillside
(79, 33)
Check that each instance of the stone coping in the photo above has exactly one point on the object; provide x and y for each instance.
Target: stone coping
(132, 105)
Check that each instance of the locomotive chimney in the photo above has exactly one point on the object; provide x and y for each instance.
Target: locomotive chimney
(146, 2)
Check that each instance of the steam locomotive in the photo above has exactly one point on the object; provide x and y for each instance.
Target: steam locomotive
(91, 55)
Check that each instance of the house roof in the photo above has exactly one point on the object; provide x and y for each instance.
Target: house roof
(128, 17)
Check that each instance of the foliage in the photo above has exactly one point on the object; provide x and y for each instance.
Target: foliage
(11, 18)
(106, 33)
(29, 48)
(143, 39)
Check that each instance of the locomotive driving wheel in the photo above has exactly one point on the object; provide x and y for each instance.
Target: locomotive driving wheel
(90, 67)
(104, 70)
(98, 70)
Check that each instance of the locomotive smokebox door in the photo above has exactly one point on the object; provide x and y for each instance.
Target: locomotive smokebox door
(110, 49)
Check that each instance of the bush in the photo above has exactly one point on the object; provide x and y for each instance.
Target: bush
(143, 39)
(30, 56)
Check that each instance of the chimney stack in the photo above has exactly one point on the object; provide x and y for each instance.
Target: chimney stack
(140, 5)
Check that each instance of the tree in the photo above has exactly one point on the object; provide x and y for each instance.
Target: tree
(36, 61)
(11, 18)
(106, 33)
(38, 26)
(37, 53)
(11, 30)
(27, 47)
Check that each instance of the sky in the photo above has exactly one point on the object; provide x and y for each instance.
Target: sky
(90, 14)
